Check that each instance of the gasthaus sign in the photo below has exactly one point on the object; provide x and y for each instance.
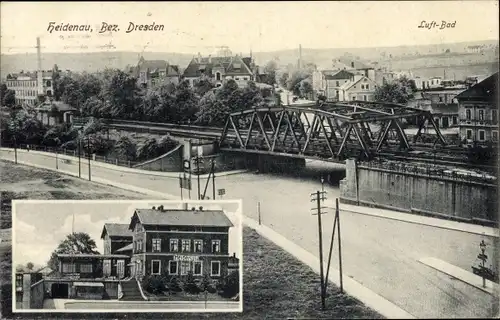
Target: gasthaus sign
(186, 258)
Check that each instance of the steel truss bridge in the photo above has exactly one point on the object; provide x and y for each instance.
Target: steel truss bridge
(330, 131)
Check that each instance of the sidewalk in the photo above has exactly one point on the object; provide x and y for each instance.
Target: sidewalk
(119, 168)
(413, 218)
(461, 274)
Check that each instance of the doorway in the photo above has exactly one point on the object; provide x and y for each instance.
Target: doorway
(60, 291)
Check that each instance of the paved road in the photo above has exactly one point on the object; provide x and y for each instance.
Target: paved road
(380, 253)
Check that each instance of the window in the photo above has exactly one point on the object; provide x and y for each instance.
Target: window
(362, 86)
(364, 98)
(337, 84)
(139, 228)
(172, 267)
(353, 98)
(468, 134)
(440, 99)
(215, 246)
(494, 135)
(215, 268)
(245, 78)
(155, 266)
(68, 268)
(367, 87)
(481, 114)
(236, 78)
(186, 245)
(156, 245)
(494, 116)
(174, 245)
(49, 83)
(197, 268)
(467, 114)
(106, 267)
(139, 246)
(455, 121)
(198, 245)
(217, 76)
(86, 268)
(481, 135)
(185, 267)
(19, 280)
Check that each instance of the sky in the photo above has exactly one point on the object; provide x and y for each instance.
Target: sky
(192, 27)
(39, 226)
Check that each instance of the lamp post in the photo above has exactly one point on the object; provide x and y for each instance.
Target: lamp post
(483, 257)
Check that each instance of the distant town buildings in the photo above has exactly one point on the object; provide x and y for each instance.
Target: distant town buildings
(478, 111)
(222, 68)
(27, 86)
(154, 72)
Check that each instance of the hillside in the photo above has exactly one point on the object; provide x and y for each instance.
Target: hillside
(395, 58)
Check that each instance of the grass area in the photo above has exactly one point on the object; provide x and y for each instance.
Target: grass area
(276, 285)
(187, 297)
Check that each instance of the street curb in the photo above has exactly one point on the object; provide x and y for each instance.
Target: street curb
(422, 220)
(173, 175)
(353, 288)
(460, 274)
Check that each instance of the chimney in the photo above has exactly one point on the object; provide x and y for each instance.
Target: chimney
(209, 58)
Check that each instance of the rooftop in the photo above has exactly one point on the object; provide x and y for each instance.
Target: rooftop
(173, 217)
(486, 89)
(116, 230)
(93, 256)
(59, 105)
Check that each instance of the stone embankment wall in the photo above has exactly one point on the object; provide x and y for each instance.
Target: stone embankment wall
(421, 189)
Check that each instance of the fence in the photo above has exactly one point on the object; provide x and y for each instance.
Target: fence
(74, 153)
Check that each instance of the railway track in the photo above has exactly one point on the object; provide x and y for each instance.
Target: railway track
(442, 155)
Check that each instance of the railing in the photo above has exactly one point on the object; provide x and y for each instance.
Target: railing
(476, 122)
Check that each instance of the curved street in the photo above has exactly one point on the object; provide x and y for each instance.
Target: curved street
(381, 254)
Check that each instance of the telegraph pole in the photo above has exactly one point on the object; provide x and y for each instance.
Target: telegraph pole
(88, 147)
(318, 196)
(213, 179)
(79, 157)
(198, 175)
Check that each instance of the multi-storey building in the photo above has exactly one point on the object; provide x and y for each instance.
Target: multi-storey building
(359, 87)
(154, 72)
(478, 111)
(28, 85)
(222, 68)
(328, 82)
(176, 242)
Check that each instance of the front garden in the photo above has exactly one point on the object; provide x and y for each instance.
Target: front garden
(188, 288)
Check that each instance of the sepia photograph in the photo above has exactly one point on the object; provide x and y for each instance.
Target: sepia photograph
(89, 256)
(249, 160)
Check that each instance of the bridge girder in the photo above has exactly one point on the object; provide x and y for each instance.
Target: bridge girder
(331, 130)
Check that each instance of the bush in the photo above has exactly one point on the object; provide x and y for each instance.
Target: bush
(154, 284)
(189, 285)
(173, 285)
(148, 150)
(207, 284)
(166, 144)
(229, 286)
(125, 149)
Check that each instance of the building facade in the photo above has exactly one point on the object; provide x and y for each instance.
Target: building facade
(117, 239)
(27, 86)
(150, 73)
(53, 113)
(478, 112)
(177, 242)
(359, 88)
(222, 68)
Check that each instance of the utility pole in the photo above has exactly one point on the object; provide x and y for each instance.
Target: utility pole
(319, 196)
(258, 210)
(198, 175)
(79, 157)
(213, 179)
(88, 151)
(15, 149)
(336, 227)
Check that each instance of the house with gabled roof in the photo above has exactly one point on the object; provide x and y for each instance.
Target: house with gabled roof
(154, 72)
(220, 69)
(172, 242)
(359, 88)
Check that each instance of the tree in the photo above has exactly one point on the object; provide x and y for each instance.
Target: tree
(7, 96)
(120, 94)
(148, 150)
(30, 266)
(305, 88)
(174, 286)
(56, 83)
(203, 85)
(189, 285)
(75, 243)
(270, 71)
(125, 148)
(399, 91)
(284, 80)
(207, 284)
(230, 285)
